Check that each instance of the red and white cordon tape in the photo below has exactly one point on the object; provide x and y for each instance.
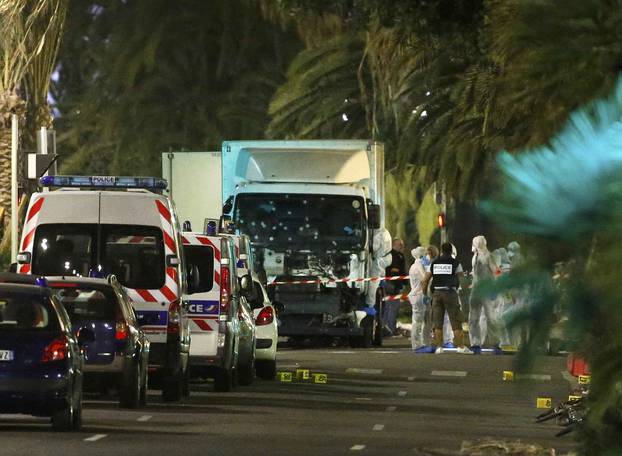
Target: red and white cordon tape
(399, 297)
(345, 280)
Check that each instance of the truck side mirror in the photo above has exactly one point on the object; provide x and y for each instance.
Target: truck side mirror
(186, 226)
(226, 208)
(373, 216)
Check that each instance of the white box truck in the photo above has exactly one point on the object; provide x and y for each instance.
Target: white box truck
(194, 184)
(311, 209)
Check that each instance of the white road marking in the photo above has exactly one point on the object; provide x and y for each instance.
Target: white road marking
(410, 379)
(357, 447)
(402, 393)
(449, 373)
(386, 352)
(95, 438)
(533, 377)
(356, 370)
(378, 427)
(391, 408)
(342, 352)
(144, 418)
(363, 399)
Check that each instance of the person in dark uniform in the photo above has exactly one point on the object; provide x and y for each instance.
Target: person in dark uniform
(445, 274)
(394, 287)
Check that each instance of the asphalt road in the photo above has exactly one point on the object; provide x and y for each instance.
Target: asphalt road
(376, 401)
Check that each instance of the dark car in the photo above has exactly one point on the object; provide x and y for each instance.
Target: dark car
(119, 356)
(41, 361)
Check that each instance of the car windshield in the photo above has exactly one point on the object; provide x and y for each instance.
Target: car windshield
(23, 312)
(135, 254)
(301, 221)
(88, 304)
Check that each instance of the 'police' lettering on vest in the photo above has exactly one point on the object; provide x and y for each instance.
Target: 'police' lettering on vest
(442, 269)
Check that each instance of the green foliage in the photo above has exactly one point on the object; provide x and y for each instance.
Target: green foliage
(568, 203)
(157, 75)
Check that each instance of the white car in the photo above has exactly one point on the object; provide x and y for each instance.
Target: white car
(266, 332)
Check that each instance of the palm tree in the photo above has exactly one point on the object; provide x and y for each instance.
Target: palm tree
(30, 33)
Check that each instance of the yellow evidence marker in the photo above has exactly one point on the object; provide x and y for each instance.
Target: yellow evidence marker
(574, 398)
(320, 378)
(508, 376)
(544, 403)
(584, 379)
(302, 374)
(285, 376)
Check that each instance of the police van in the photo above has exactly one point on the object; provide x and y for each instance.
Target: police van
(93, 226)
(222, 336)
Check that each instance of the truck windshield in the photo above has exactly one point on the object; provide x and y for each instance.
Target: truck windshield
(301, 221)
(135, 254)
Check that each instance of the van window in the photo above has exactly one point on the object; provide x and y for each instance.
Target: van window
(135, 254)
(201, 257)
(64, 249)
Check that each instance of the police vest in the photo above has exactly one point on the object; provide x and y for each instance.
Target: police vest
(444, 275)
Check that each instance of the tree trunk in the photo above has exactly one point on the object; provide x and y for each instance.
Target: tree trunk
(10, 103)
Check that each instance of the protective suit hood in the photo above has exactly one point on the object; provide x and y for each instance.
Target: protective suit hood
(382, 243)
(513, 249)
(479, 245)
(418, 252)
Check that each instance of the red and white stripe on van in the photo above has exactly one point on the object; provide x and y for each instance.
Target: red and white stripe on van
(28, 232)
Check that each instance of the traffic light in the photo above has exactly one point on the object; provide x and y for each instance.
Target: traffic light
(441, 220)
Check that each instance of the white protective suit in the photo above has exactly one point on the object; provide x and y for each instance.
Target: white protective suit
(381, 259)
(503, 301)
(421, 324)
(448, 333)
(519, 297)
(484, 268)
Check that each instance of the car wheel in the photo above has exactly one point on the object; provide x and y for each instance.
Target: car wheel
(130, 392)
(63, 419)
(77, 414)
(246, 374)
(223, 382)
(172, 387)
(186, 383)
(266, 370)
(144, 389)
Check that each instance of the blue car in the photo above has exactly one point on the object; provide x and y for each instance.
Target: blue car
(41, 359)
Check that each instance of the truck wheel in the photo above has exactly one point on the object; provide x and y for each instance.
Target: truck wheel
(266, 370)
(365, 340)
(377, 330)
(223, 382)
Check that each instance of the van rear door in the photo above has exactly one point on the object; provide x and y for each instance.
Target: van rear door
(137, 235)
(202, 255)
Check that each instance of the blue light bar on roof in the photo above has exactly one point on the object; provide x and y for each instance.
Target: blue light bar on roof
(150, 183)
